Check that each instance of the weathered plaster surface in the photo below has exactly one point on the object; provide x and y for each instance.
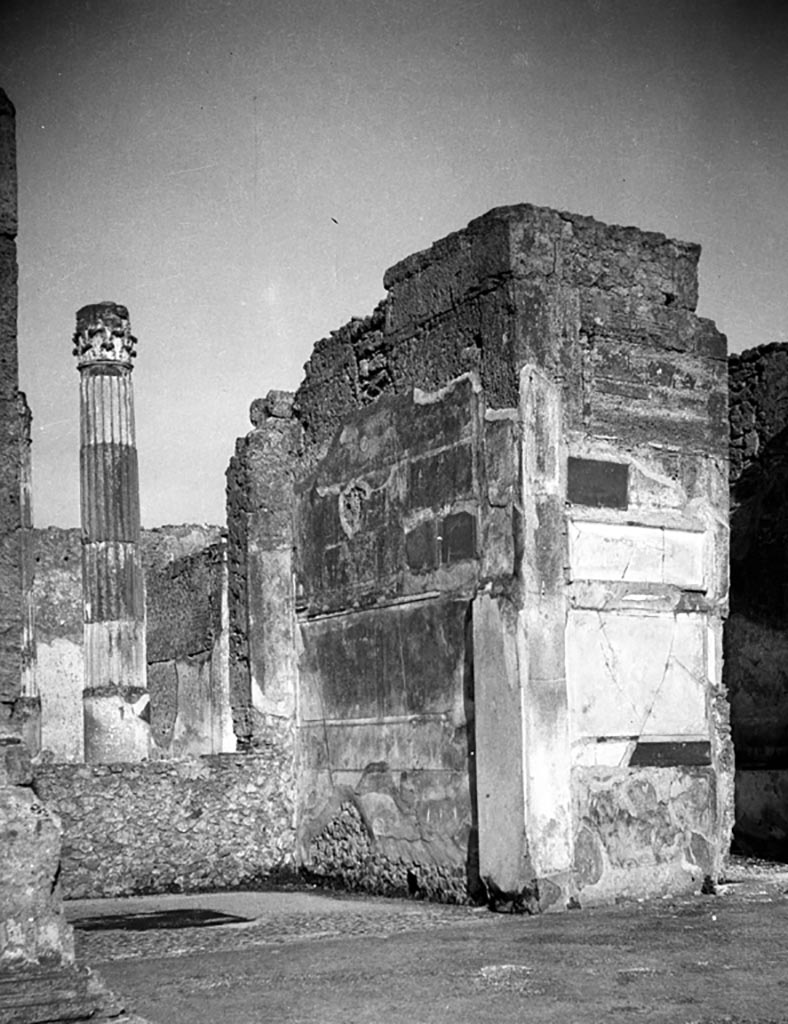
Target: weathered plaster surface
(644, 830)
(186, 642)
(526, 439)
(260, 499)
(617, 691)
(188, 679)
(57, 594)
(387, 531)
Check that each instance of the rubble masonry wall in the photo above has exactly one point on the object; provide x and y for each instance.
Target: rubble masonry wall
(215, 822)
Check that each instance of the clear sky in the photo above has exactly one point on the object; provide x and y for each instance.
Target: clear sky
(240, 173)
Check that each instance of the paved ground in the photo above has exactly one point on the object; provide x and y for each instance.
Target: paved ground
(311, 957)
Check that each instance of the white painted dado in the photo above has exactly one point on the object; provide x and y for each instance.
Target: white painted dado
(636, 554)
(636, 675)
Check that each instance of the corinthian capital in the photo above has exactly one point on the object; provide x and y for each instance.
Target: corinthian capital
(103, 335)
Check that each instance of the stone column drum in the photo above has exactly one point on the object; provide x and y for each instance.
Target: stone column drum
(115, 697)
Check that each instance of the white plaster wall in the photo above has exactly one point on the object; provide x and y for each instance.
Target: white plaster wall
(635, 675)
(636, 554)
(60, 672)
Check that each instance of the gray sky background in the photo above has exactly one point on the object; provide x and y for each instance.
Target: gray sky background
(186, 158)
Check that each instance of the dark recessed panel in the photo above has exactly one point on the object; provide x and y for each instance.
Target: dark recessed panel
(597, 483)
(671, 754)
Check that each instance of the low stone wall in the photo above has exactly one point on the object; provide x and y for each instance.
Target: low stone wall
(223, 821)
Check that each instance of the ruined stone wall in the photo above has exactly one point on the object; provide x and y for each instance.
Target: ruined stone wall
(216, 822)
(398, 526)
(260, 585)
(494, 494)
(186, 640)
(186, 610)
(756, 637)
(17, 701)
(610, 539)
(57, 593)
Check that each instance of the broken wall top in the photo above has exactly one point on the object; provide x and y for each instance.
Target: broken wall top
(606, 311)
(532, 241)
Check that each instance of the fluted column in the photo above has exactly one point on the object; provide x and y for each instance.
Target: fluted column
(115, 697)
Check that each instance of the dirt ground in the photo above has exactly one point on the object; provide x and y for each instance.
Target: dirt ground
(312, 957)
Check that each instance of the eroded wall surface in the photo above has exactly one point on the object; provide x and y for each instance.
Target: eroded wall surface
(186, 608)
(756, 638)
(57, 593)
(260, 498)
(185, 573)
(390, 533)
(221, 821)
(510, 539)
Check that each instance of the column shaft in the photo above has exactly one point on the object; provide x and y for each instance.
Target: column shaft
(115, 696)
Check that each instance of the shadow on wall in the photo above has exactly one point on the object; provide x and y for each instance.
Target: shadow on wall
(756, 634)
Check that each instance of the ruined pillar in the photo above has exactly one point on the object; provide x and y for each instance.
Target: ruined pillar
(260, 556)
(33, 930)
(115, 697)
